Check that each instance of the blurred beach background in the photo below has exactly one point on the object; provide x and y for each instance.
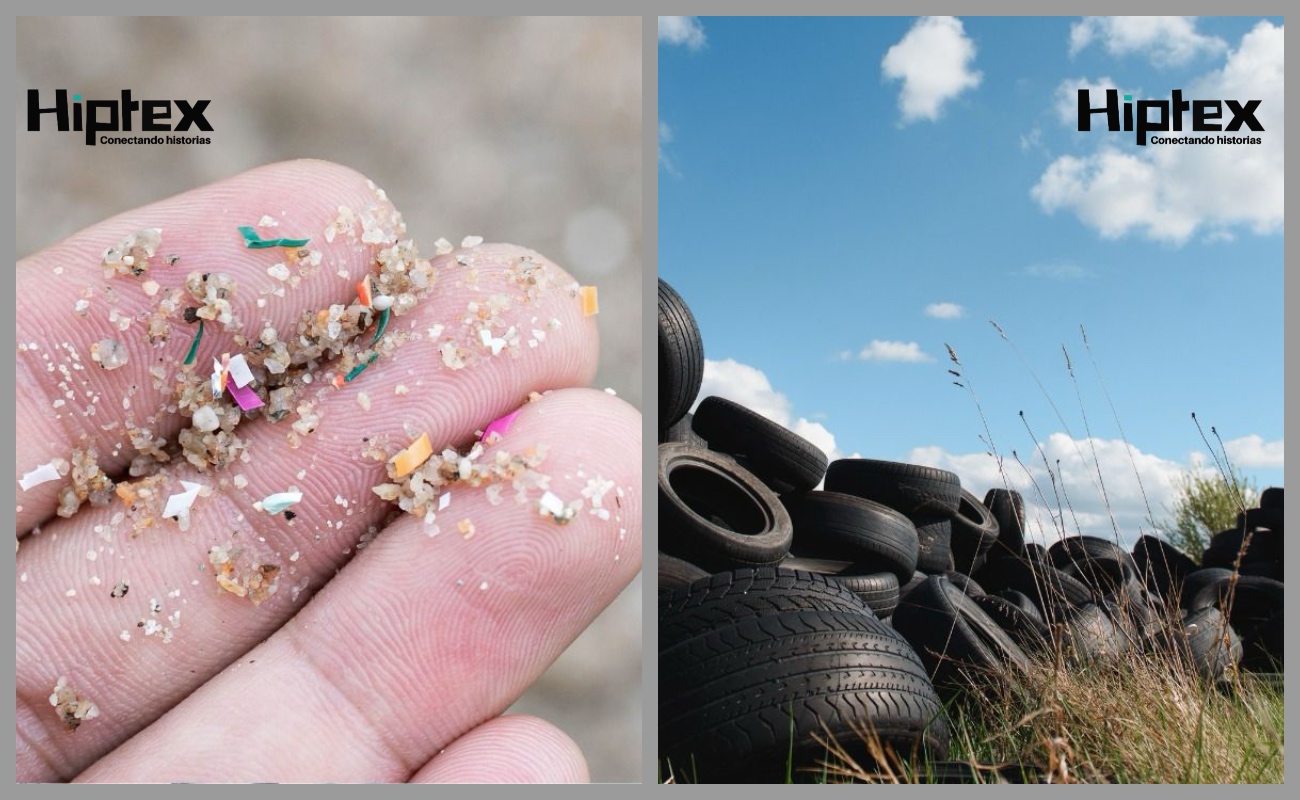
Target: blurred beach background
(526, 130)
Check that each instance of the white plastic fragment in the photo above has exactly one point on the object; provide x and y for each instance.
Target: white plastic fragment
(180, 502)
(551, 504)
(275, 503)
(42, 474)
(239, 371)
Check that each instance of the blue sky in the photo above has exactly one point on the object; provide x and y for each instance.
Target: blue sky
(840, 198)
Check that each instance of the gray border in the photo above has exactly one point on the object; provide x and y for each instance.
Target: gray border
(649, 409)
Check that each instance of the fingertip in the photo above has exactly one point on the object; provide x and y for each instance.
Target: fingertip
(509, 749)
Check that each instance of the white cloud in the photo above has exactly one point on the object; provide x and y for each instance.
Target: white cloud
(1067, 98)
(1165, 41)
(945, 311)
(1171, 192)
(682, 30)
(878, 350)
(1076, 473)
(1252, 452)
(666, 161)
(750, 387)
(933, 60)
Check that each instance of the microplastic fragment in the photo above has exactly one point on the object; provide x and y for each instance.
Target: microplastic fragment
(179, 503)
(239, 370)
(500, 425)
(275, 503)
(471, 241)
(194, 346)
(360, 368)
(444, 500)
(407, 461)
(590, 306)
(245, 397)
(108, 354)
(253, 240)
(42, 474)
(551, 504)
(381, 326)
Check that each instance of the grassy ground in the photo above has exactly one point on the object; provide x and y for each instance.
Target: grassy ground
(1147, 719)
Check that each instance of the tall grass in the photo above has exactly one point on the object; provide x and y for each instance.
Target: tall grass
(1147, 718)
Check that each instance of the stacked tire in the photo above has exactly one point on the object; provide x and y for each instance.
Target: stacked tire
(759, 670)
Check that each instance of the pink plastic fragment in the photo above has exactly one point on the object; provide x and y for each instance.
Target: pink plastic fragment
(246, 397)
(500, 425)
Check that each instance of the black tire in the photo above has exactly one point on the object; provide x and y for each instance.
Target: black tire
(1211, 642)
(1047, 586)
(1256, 518)
(914, 490)
(1008, 508)
(1161, 566)
(841, 526)
(934, 544)
(1100, 563)
(1028, 630)
(1200, 587)
(1252, 600)
(783, 460)
(1035, 553)
(1089, 635)
(964, 582)
(681, 356)
(729, 597)
(956, 640)
(1262, 647)
(682, 431)
(1263, 569)
(974, 532)
(1023, 602)
(716, 515)
(1265, 545)
(916, 580)
(879, 591)
(746, 703)
(1271, 498)
(674, 572)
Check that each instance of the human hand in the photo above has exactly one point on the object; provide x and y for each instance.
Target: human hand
(384, 653)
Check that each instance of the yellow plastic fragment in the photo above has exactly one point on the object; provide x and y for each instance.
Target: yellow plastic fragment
(410, 459)
(590, 306)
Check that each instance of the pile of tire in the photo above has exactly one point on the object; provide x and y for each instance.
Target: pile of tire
(792, 615)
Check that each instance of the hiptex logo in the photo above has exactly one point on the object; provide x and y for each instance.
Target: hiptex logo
(156, 117)
(1204, 116)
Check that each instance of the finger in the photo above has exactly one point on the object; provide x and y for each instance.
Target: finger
(513, 749)
(136, 681)
(420, 640)
(65, 401)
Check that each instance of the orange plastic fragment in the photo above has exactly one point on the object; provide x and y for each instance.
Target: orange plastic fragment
(410, 459)
(590, 306)
(363, 292)
(339, 380)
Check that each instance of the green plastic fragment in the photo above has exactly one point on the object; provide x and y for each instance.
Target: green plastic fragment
(194, 347)
(382, 326)
(253, 240)
(359, 368)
